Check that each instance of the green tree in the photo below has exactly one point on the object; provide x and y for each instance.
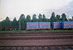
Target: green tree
(40, 18)
(14, 24)
(72, 18)
(22, 22)
(28, 18)
(63, 17)
(7, 23)
(53, 19)
(58, 18)
(22, 17)
(44, 19)
(1, 26)
(34, 19)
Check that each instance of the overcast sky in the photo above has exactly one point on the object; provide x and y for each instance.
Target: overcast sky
(13, 8)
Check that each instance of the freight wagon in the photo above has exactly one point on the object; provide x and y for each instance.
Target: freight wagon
(32, 26)
(49, 25)
(44, 25)
(68, 25)
(37, 25)
(56, 25)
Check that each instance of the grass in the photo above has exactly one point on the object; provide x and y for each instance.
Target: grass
(38, 31)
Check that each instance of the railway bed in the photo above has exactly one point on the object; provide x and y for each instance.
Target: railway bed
(36, 41)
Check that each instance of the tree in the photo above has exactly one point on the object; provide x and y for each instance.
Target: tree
(52, 19)
(72, 18)
(63, 17)
(57, 18)
(7, 23)
(22, 17)
(22, 22)
(28, 18)
(44, 18)
(14, 24)
(40, 18)
(34, 19)
(69, 19)
(3, 25)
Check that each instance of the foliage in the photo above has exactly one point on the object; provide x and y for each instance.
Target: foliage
(22, 22)
(58, 18)
(40, 18)
(52, 18)
(63, 17)
(34, 19)
(14, 24)
(28, 18)
(44, 19)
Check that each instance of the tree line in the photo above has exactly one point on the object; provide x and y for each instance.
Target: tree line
(20, 24)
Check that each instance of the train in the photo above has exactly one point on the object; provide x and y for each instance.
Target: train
(49, 25)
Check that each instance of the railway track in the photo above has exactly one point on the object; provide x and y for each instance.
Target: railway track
(36, 41)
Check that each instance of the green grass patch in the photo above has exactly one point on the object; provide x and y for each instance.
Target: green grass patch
(38, 31)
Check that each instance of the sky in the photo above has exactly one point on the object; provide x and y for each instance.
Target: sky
(14, 8)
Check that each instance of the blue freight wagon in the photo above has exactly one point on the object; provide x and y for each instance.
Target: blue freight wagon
(44, 25)
(32, 26)
(49, 25)
(37, 25)
(56, 25)
(68, 25)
